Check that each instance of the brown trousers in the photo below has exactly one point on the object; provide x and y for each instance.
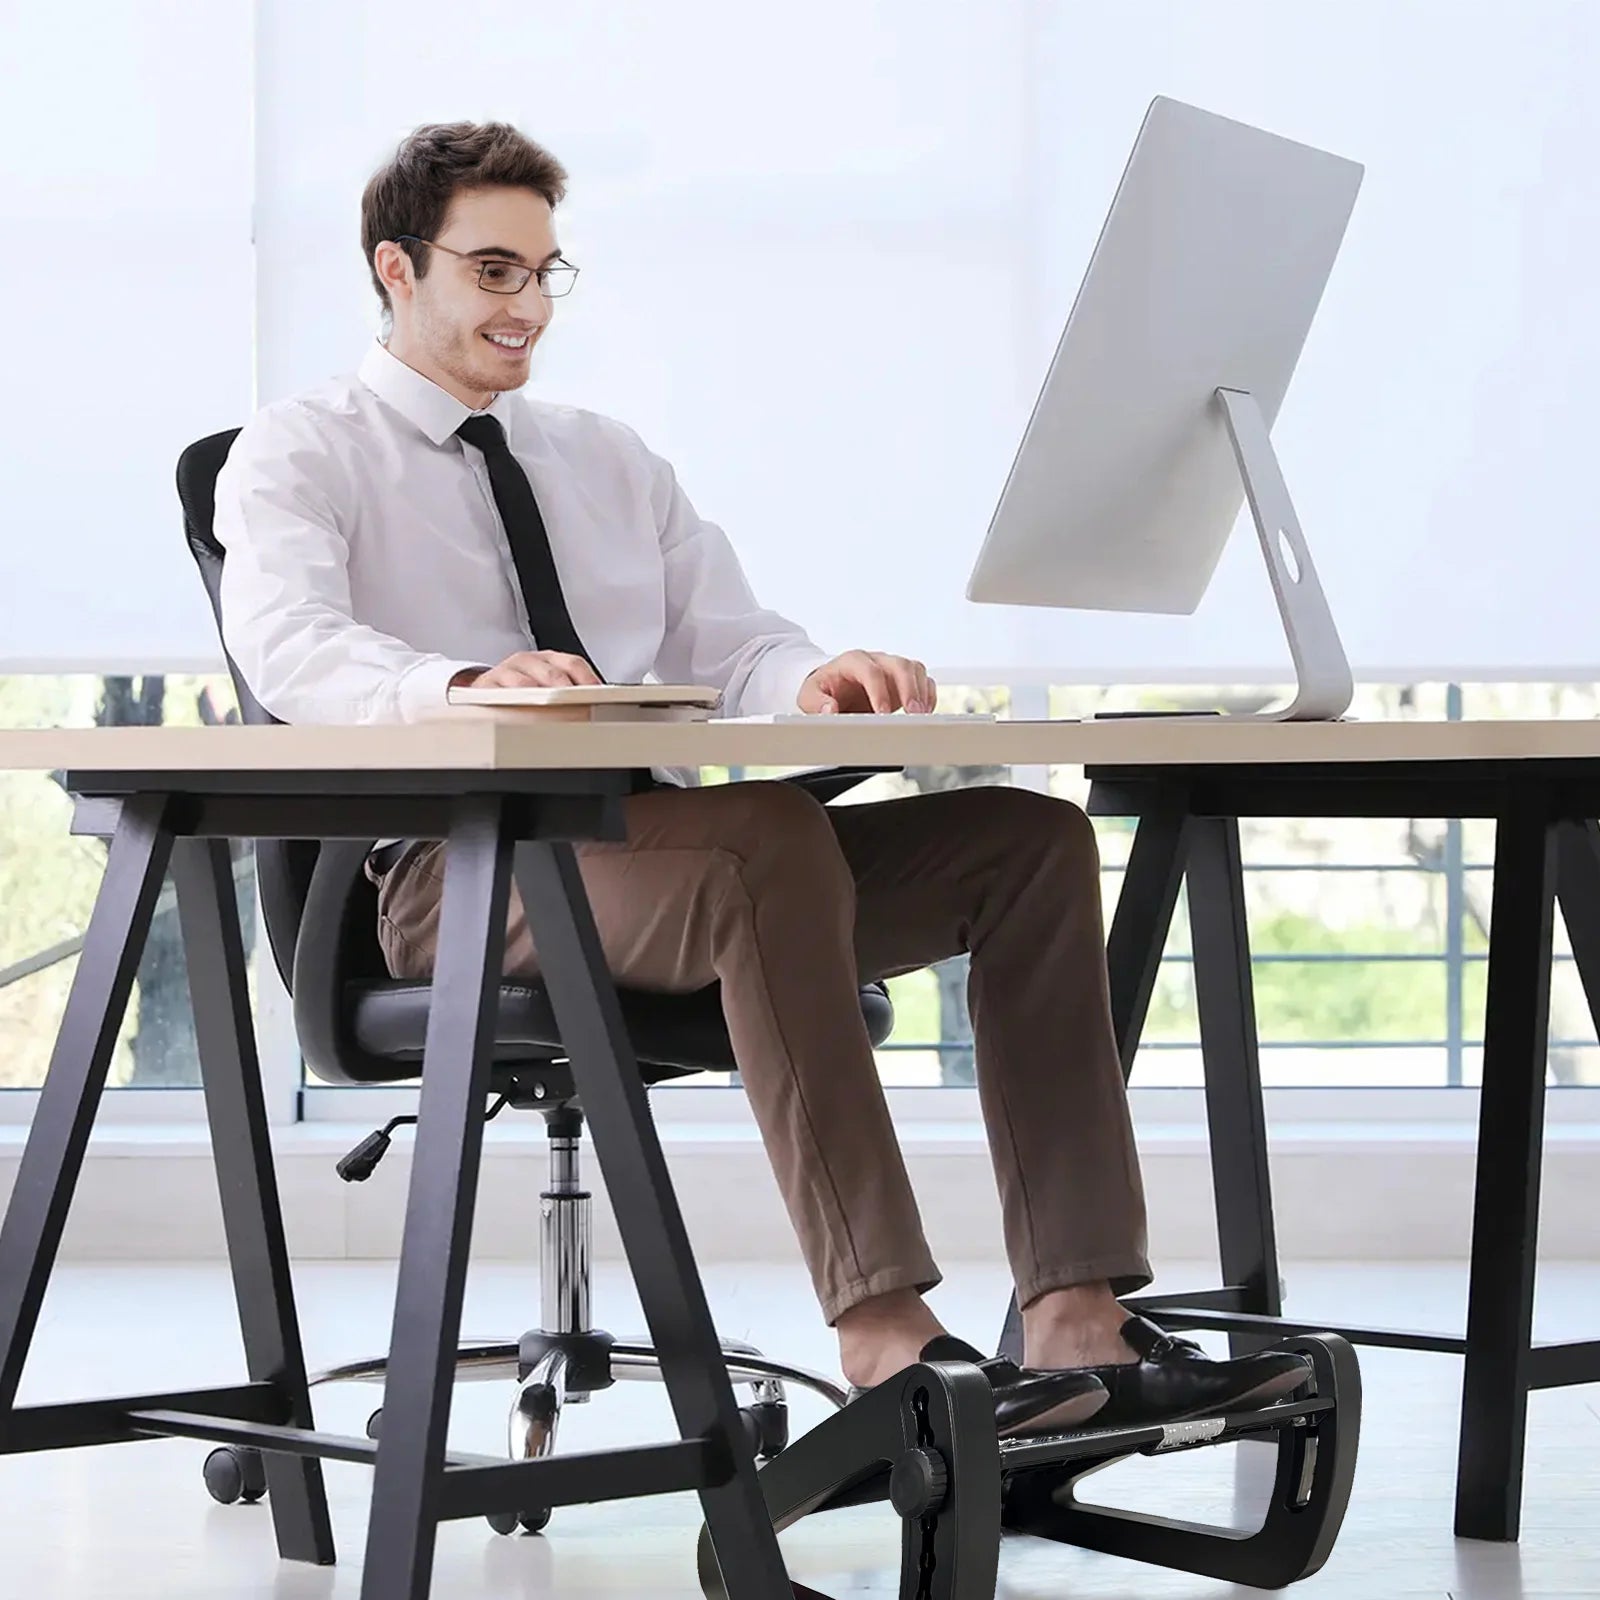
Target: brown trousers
(791, 905)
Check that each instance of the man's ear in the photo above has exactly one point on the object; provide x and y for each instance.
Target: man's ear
(394, 268)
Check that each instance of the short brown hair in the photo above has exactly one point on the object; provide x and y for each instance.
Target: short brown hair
(412, 192)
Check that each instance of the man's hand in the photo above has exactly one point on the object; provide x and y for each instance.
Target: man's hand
(536, 669)
(867, 680)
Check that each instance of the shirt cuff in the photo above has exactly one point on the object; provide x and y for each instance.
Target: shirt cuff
(773, 685)
(422, 693)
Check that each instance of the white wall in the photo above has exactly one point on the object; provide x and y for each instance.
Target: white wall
(126, 292)
(827, 252)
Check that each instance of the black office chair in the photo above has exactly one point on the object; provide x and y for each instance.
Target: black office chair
(358, 1025)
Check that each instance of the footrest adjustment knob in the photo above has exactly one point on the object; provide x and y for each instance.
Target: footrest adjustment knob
(918, 1483)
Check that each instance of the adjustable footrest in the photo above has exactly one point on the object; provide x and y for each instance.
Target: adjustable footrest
(926, 1442)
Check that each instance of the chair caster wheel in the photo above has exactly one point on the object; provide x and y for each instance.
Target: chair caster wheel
(766, 1425)
(375, 1423)
(235, 1472)
(510, 1521)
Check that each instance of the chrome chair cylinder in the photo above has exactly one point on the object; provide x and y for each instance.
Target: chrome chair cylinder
(566, 1234)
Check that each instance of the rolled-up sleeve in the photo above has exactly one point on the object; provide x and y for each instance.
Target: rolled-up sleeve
(716, 631)
(286, 612)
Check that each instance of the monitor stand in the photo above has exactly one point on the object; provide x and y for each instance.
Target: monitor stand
(1324, 686)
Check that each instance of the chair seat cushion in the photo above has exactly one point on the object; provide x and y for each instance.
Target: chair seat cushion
(678, 1032)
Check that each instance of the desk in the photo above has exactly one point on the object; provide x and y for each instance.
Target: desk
(508, 794)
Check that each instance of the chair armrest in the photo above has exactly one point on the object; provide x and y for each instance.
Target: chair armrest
(828, 783)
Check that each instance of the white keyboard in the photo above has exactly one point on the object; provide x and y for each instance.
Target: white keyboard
(867, 716)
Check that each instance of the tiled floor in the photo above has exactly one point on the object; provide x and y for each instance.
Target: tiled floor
(133, 1521)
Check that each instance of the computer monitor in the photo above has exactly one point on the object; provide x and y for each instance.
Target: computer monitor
(1152, 423)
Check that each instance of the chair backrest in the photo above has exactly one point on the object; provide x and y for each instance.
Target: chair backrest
(283, 866)
(198, 467)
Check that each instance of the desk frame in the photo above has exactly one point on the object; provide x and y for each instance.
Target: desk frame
(511, 823)
(504, 820)
(1547, 848)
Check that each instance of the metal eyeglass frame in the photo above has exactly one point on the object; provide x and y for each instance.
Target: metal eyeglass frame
(512, 266)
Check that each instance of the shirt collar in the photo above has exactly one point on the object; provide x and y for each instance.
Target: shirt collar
(434, 411)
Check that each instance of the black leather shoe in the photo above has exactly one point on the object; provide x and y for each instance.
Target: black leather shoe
(1174, 1379)
(1025, 1401)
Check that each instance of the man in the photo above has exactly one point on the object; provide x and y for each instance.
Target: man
(422, 524)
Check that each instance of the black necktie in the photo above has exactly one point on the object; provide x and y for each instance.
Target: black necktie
(548, 617)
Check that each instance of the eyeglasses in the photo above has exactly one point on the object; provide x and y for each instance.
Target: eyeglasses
(506, 277)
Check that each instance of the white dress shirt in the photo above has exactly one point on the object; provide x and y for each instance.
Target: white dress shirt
(367, 564)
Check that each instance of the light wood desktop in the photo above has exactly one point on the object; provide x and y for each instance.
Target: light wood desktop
(505, 741)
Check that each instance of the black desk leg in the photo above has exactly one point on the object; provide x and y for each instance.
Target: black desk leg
(252, 1218)
(1235, 1114)
(1142, 922)
(53, 1157)
(1578, 890)
(648, 1218)
(1505, 1221)
(439, 1207)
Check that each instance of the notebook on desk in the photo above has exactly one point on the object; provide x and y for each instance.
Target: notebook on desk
(589, 694)
(588, 702)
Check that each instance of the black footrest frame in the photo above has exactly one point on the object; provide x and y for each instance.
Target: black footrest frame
(927, 1439)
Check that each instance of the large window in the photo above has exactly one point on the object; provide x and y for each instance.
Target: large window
(1369, 938)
